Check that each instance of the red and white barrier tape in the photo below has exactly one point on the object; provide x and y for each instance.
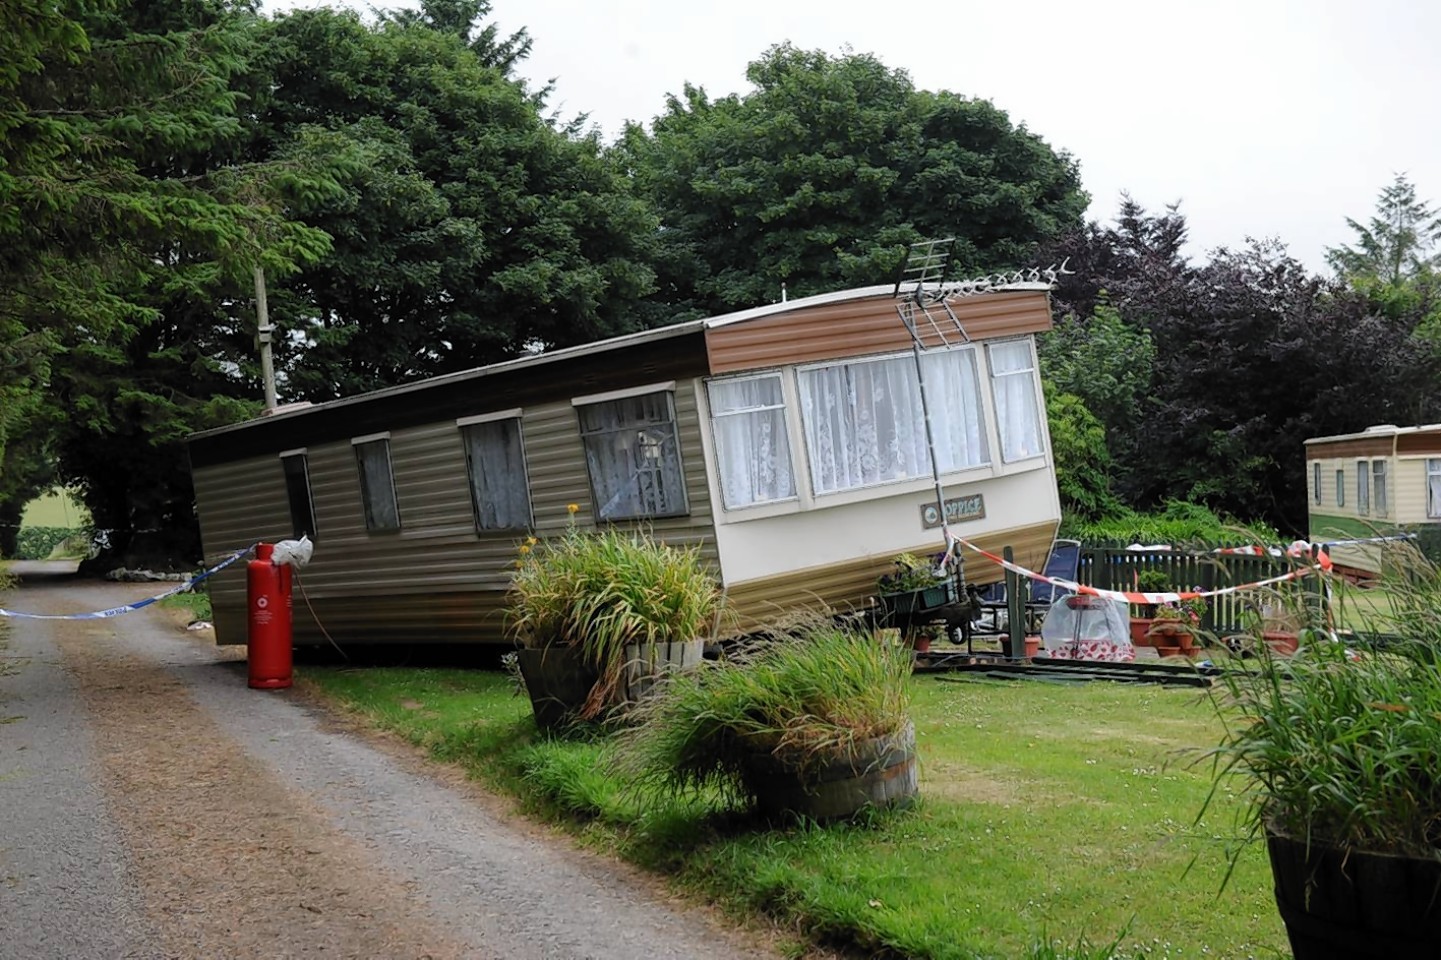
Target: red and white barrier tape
(1322, 564)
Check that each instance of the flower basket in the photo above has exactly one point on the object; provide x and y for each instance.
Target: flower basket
(919, 600)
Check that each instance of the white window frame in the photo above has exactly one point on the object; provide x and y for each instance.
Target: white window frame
(1316, 481)
(465, 425)
(667, 390)
(1340, 486)
(1363, 487)
(721, 451)
(368, 496)
(1380, 499)
(1038, 404)
(1433, 488)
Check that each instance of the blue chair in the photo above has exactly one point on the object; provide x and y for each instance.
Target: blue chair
(1063, 563)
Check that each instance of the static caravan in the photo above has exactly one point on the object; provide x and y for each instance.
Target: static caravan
(787, 441)
(1382, 480)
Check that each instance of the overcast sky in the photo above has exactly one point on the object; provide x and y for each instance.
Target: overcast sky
(1269, 118)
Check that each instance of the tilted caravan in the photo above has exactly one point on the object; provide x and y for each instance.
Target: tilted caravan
(787, 441)
(1380, 481)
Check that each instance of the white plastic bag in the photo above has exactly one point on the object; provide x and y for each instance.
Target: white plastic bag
(295, 553)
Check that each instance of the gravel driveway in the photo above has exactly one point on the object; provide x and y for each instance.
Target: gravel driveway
(153, 806)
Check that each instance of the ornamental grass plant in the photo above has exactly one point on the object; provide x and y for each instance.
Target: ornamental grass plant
(1341, 744)
(805, 695)
(601, 591)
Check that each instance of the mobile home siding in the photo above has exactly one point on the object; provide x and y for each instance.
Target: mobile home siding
(672, 356)
(866, 326)
(1405, 451)
(846, 585)
(238, 504)
(435, 579)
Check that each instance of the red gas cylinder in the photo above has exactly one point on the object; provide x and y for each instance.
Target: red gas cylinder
(268, 642)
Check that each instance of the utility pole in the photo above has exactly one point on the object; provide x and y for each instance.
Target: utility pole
(263, 329)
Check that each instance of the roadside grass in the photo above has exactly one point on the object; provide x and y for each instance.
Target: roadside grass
(1052, 818)
(194, 602)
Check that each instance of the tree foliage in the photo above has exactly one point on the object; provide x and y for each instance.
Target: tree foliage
(471, 230)
(1252, 356)
(1398, 244)
(118, 230)
(820, 176)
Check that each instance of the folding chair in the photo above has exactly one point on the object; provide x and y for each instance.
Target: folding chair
(993, 603)
(1063, 563)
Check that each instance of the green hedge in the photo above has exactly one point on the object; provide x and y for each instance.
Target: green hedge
(37, 543)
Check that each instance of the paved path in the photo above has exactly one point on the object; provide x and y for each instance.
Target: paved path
(153, 806)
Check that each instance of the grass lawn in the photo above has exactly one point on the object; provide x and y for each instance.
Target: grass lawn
(1050, 813)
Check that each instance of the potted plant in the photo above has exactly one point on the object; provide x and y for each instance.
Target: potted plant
(598, 615)
(1337, 753)
(1177, 624)
(812, 720)
(1148, 581)
(917, 584)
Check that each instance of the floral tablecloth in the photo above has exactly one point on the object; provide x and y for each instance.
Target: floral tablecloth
(1092, 650)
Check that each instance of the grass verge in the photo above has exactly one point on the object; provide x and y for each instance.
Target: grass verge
(195, 602)
(1053, 817)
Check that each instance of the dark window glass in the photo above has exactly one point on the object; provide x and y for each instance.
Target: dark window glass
(297, 492)
(499, 490)
(377, 485)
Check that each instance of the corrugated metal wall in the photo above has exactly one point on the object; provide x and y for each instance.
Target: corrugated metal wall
(854, 328)
(436, 579)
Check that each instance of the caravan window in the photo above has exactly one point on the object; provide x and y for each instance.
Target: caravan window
(377, 483)
(1340, 487)
(1433, 488)
(1363, 487)
(495, 460)
(633, 454)
(1378, 486)
(1316, 481)
(1018, 409)
(296, 467)
(864, 423)
(753, 446)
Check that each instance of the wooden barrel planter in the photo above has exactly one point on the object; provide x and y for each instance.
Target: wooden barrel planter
(878, 773)
(647, 663)
(558, 680)
(1356, 905)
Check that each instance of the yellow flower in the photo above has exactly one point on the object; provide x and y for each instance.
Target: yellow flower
(573, 508)
(532, 541)
(524, 548)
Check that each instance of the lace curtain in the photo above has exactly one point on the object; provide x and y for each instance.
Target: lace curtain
(1017, 408)
(864, 422)
(499, 490)
(753, 449)
(1433, 488)
(634, 457)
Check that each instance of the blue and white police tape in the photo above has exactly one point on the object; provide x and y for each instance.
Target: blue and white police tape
(116, 611)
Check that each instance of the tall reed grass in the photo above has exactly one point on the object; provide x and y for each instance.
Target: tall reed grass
(804, 695)
(1341, 744)
(599, 591)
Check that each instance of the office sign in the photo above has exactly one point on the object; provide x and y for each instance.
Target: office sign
(958, 509)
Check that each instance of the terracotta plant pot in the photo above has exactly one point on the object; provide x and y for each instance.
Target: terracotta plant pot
(1281, 642)
(1139, 628)
(1168, 650)
(1033, 647)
